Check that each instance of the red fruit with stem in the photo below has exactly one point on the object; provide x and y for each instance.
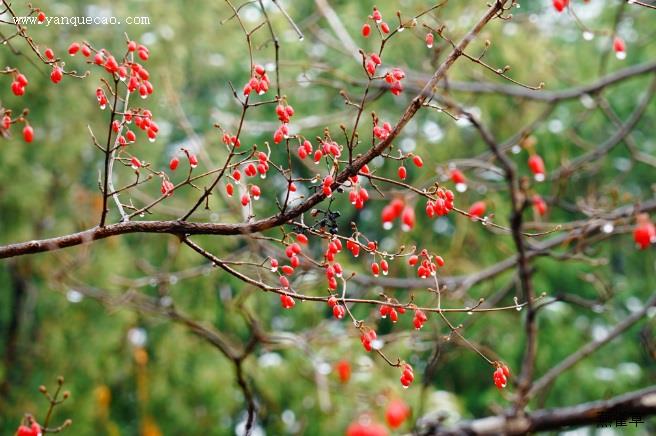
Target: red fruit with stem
(193, 160)
(41, 17)
(499, 378)
(407, 377)
(417, 161)
(402, 172)
(366, 30)
(376, 15)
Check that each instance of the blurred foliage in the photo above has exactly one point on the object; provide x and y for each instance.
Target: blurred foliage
(175, 383)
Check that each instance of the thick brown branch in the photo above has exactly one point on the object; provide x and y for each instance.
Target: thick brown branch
(640, 404)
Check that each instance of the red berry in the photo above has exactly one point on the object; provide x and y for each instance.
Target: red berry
(343, 368)
(167, 188)
(86, 51)
(644, 233)
(366, 30)
(402, 172)
(429, 40)
(49, 54)
(619, 47)
(477, 209)
(41, 17)
(560, 5)
(396, 413)
(230, 189)
(417, 161)
(56, 74)
(376, 15)
(173, 163)
(384, 27)
(28, 133)
(536, 164)
(375, 269)
(73, 48)
(407, 219)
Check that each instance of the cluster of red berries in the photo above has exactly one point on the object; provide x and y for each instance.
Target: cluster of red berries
(395, 209)
(328, 148)
(33, 430)
(391, 311)
(394, 78)
(358, 196)
(372, 63)
(376, 268)
(334, 269)
(419, 319)
(287, 301)
(644, 233)
(231, 140)
(500, 376)
(442, 205)
(175, 161)
(367, 336)
(281, 133)
(407, 376)
(305, 149)
(382, 132)
(136, 75)
(338, 310)
(428, 265)
(19, 84)
(354, 247)
(259, 81)
(378, 19)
